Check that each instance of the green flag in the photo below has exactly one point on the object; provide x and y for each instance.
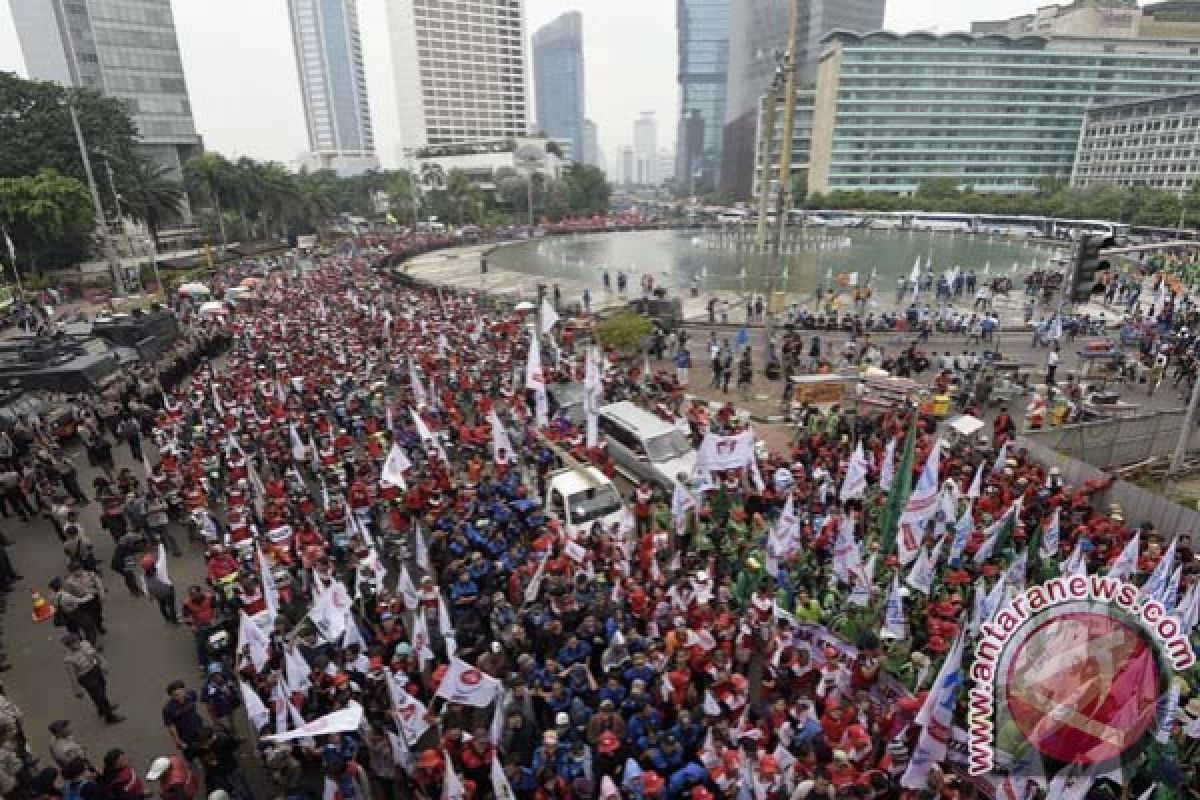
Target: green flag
(901, 489)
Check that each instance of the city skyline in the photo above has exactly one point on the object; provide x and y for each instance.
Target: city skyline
(245, 95)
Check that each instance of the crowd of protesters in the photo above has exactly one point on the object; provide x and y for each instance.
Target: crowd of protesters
(376, 552)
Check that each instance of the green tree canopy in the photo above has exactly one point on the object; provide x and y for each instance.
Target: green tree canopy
(48, 216)
(624, 332)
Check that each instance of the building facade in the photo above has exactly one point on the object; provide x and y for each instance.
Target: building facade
(990, 112)
(333, 84)
(1153, 143)
(1174, 19)
(758, 34)
(459, 70)
(558, 79)
(702, 28)
(767, 159)
(592, 155)
(645, 150)
(625, 169)
(126, 49)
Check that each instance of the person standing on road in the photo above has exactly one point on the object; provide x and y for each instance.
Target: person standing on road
(683, 363)
(1052, 364)
(162, 591)
(86, 670)
(726, 367)
(63, 747)
(72, 610)
(181, 717)
(131, 431)
(745, 374)
(84, 582)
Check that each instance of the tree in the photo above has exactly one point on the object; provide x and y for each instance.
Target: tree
(48, 215)
(461, 196)
(211, 179)
(433, 177)
(404, 194)
(587, 190)
(624, 332)
(152, 195)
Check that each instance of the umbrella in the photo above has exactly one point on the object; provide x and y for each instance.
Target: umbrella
(524, 305)
(194, 289)
(214, 307)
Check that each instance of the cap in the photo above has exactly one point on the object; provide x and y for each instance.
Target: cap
(160, 766)
(608, 743)
(561, 719)
(652, 782)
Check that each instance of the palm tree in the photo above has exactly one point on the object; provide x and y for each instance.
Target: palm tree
(433, 177)
(315, 194)
(152, 195)
(209, 175)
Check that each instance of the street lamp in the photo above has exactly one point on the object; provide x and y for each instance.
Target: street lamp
(529, 158)
(152, 250)
(110, 252)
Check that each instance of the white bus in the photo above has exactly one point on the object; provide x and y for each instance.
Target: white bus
(1003, 225)
(937, 221)
(733, 216)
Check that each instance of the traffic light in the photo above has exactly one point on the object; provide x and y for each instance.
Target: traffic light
(1089, 263)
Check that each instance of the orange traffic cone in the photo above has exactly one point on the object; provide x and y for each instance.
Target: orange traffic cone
(42, 610)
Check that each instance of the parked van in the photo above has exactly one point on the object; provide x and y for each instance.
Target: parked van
(580, 497)
(645, 447)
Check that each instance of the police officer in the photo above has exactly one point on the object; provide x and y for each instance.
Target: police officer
(87, 669)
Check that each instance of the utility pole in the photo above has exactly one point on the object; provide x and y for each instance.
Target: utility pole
(110, 252)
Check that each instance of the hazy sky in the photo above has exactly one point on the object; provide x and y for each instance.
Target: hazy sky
(241, 70)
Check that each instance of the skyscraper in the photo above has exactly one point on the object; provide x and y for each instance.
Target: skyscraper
(333, 84)
(592, 155)
(558, 79)
(645, 150)
(124, 48)
(703, 37)
(459, 70)
(758, 33)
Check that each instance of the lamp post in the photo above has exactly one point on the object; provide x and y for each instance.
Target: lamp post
(153, 252)
(110, 252)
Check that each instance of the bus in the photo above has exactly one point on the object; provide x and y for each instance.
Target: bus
(733, 216)
(1074, 228)
(937, 221)
(1014, 225)
(835, 219)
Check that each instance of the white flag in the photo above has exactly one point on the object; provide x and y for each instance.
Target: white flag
(1075, 564)
(991, 536)
(593, 384)
(298, 451)
(500, 785)
(1156, 585)
(296, 669)
(887, 473)
(270, 590)
(976, 488)
(535, 379)
(256, 710)
(962, 532)
(1050, 537)
(1001, 458)
(420, 396)
(920, 577)
(681, 503)
(549, 315)
(251, 637)
(535, 585)
(445, 628)
(394, 468)
(500, 440)
(895, 624)
(421, 554)
(855, 482)
(160, 565)
(921, 506)
(466, 685)
(1123, 567)
(452, 785)
(936, 718)
(349, 718)
(410, 713)
(428, 440)
(407, 591)
(420, 639)
(847, 557)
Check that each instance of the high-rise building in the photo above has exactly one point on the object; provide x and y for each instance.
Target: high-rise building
(592, 154)
(459, 70)
(558, 79)
(126, 49)
(767, 163)
(626, 172)
(703, 39)
(1141, 143)
(645, 150)
(884, 119)
(333, 84)
(758, 35)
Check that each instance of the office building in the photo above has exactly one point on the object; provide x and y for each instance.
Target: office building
(626, 173)
(801, 143)
(592, 152)
(480, 161)
(126, 49)
(994, 113)
(558, 79)
(702, 28)
(1153, 143)
(1175, 19)
(333, 85)
(645, 150)
(459, 70)
(758, 35)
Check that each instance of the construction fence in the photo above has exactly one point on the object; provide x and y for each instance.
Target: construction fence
(1116, 442)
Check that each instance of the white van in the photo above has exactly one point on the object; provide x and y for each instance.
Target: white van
(645, 447)
(579, 498)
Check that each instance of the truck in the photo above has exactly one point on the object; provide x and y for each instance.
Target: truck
(580, 496)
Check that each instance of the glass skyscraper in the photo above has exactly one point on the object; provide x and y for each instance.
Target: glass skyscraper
(558, 80)
(992, 112)
(126, 49)
(333, 84)
(703, 36)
